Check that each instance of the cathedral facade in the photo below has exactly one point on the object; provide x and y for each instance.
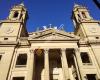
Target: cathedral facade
(49, 54)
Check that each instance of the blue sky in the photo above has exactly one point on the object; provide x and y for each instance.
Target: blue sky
(45, 12)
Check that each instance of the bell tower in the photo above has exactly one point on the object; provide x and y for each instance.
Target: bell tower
(85, 26)
(80, 14)
(15, 25)
(18, 13)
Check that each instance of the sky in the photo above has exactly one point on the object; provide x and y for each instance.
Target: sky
(45, 12)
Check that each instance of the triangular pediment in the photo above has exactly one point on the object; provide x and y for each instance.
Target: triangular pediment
(53, 34)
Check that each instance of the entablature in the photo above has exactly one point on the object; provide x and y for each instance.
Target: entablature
(8, 43)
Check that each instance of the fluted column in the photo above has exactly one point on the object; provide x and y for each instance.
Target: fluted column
(65, 65)
(31, 65)
(46, 65)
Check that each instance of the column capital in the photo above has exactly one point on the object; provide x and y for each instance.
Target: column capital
(46, 50)
(32, 50)
(76, 50)
(63, 49)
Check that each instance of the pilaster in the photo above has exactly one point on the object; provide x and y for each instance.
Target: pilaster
(31, 65)
(78, 60)
(77, 67)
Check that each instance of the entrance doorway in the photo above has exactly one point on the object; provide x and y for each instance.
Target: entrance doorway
(55, 64)
(39, 66)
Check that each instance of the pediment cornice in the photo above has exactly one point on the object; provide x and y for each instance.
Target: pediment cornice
(53, 34)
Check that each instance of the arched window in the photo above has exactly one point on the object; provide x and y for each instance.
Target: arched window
(79, 17)
(83, 14)
(16, 14)
(21, 16)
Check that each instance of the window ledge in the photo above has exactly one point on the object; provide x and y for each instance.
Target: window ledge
(18, 66)
(87, 63)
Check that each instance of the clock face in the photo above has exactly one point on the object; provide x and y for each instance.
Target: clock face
(9, 30)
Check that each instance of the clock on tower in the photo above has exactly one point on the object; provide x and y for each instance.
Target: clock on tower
(85, 26)
(13, 26)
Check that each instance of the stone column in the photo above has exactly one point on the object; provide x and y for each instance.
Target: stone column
(31, 66)
(46, 65)
(65, 65)
(77, 67)
(78, 60)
